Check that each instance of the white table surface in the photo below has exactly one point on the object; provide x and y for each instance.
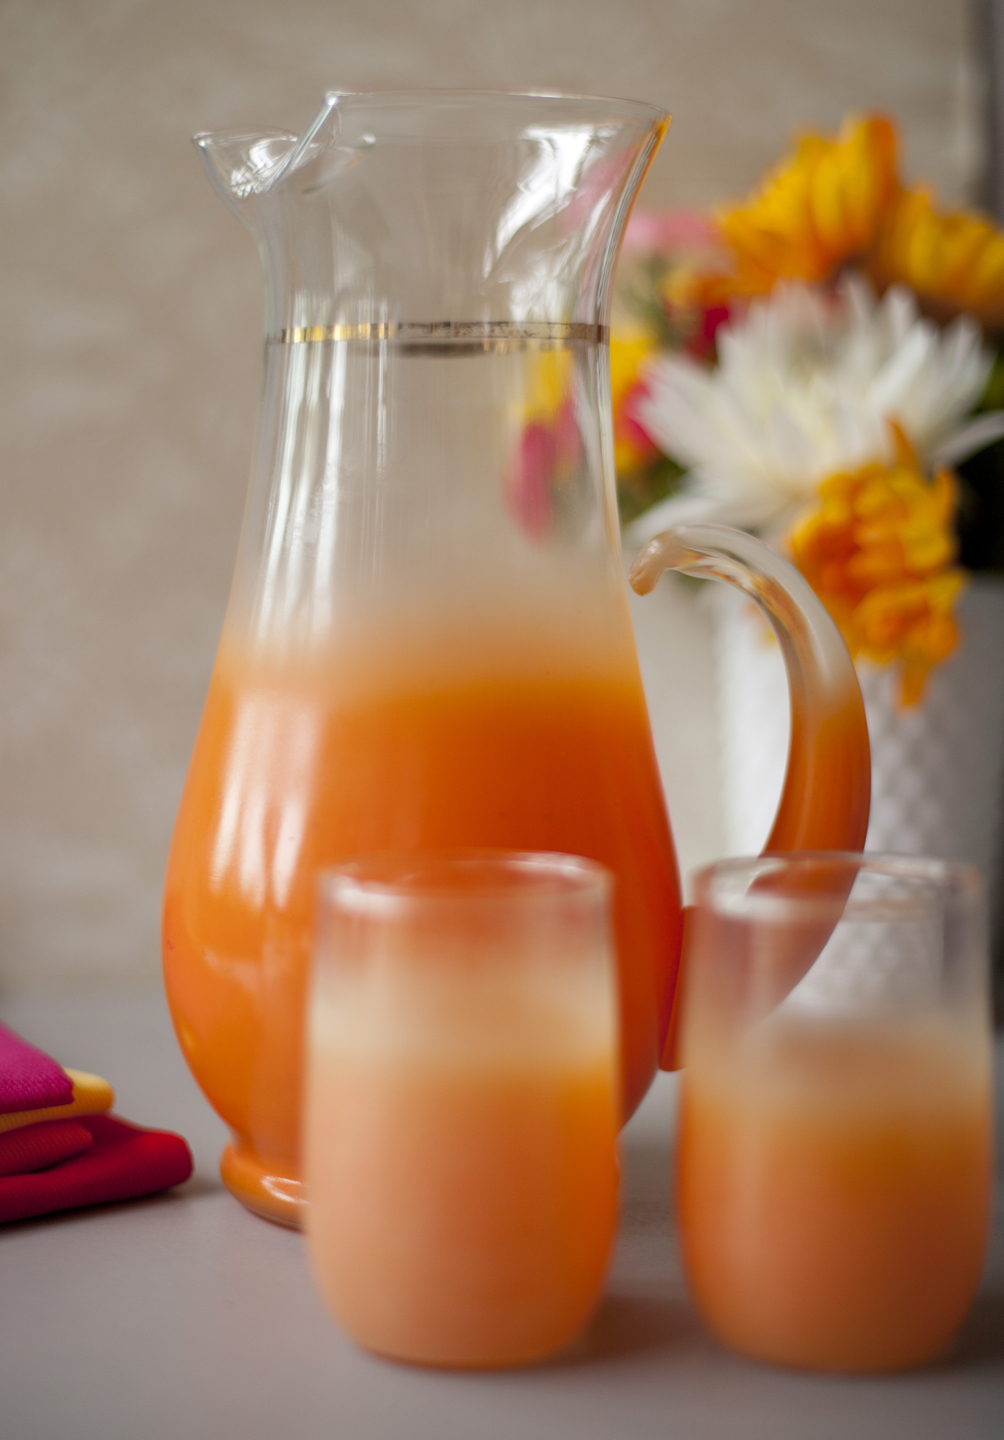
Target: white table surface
(183, 1316)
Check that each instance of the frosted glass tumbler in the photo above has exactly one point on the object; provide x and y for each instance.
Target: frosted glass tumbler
(463, 1104)
(834, 1162)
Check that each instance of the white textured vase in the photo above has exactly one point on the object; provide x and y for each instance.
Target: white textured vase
(937, 767)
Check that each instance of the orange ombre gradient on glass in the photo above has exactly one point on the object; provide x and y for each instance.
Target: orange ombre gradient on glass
(462, 1104)
(300, 765)
(834, 1152)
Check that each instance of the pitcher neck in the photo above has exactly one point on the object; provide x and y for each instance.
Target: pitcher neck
(422, 212)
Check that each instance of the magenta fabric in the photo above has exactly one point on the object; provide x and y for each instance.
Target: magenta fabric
(123, 1163)
(29, 1080)
(36, 1147)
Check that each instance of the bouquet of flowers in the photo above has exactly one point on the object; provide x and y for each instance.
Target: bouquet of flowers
(812, 365)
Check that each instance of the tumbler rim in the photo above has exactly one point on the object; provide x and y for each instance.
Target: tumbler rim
(388, 881)
(958, 881)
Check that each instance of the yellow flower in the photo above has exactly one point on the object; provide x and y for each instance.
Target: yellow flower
(954, 262)
(629, 349)
(814, 212)
(547, 385)
(878, 548)
(838, 201)
(547, 451)
(628, 352)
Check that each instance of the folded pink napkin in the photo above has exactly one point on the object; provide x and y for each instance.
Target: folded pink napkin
(123, 1163)
(36, 1147)
(53, 1160)
(29, 1080)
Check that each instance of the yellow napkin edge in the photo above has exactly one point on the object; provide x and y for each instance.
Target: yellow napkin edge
(91, 1096)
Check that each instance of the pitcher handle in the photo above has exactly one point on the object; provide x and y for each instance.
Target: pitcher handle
(827, 785)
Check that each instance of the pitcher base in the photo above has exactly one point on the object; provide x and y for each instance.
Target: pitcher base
(253, 1182)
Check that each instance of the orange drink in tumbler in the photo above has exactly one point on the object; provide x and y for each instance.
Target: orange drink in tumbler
(834, 1156)
(462, 1105)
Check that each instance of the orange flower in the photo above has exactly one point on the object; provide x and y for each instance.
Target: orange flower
(878, 549)
(814, 212)
(838, 201)
(954, 262)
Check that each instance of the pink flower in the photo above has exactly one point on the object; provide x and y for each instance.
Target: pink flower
(546, 455)
(650, 231)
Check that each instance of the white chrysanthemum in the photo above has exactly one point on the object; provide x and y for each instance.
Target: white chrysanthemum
(805, 386)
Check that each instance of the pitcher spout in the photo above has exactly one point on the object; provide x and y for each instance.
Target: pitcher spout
(242, 165)
(245, 165)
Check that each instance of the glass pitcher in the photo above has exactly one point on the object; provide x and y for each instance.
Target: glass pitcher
(428, 642)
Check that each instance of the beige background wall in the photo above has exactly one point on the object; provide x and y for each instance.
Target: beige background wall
(130, 339)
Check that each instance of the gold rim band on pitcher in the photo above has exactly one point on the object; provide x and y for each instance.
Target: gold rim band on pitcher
(433, 332)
